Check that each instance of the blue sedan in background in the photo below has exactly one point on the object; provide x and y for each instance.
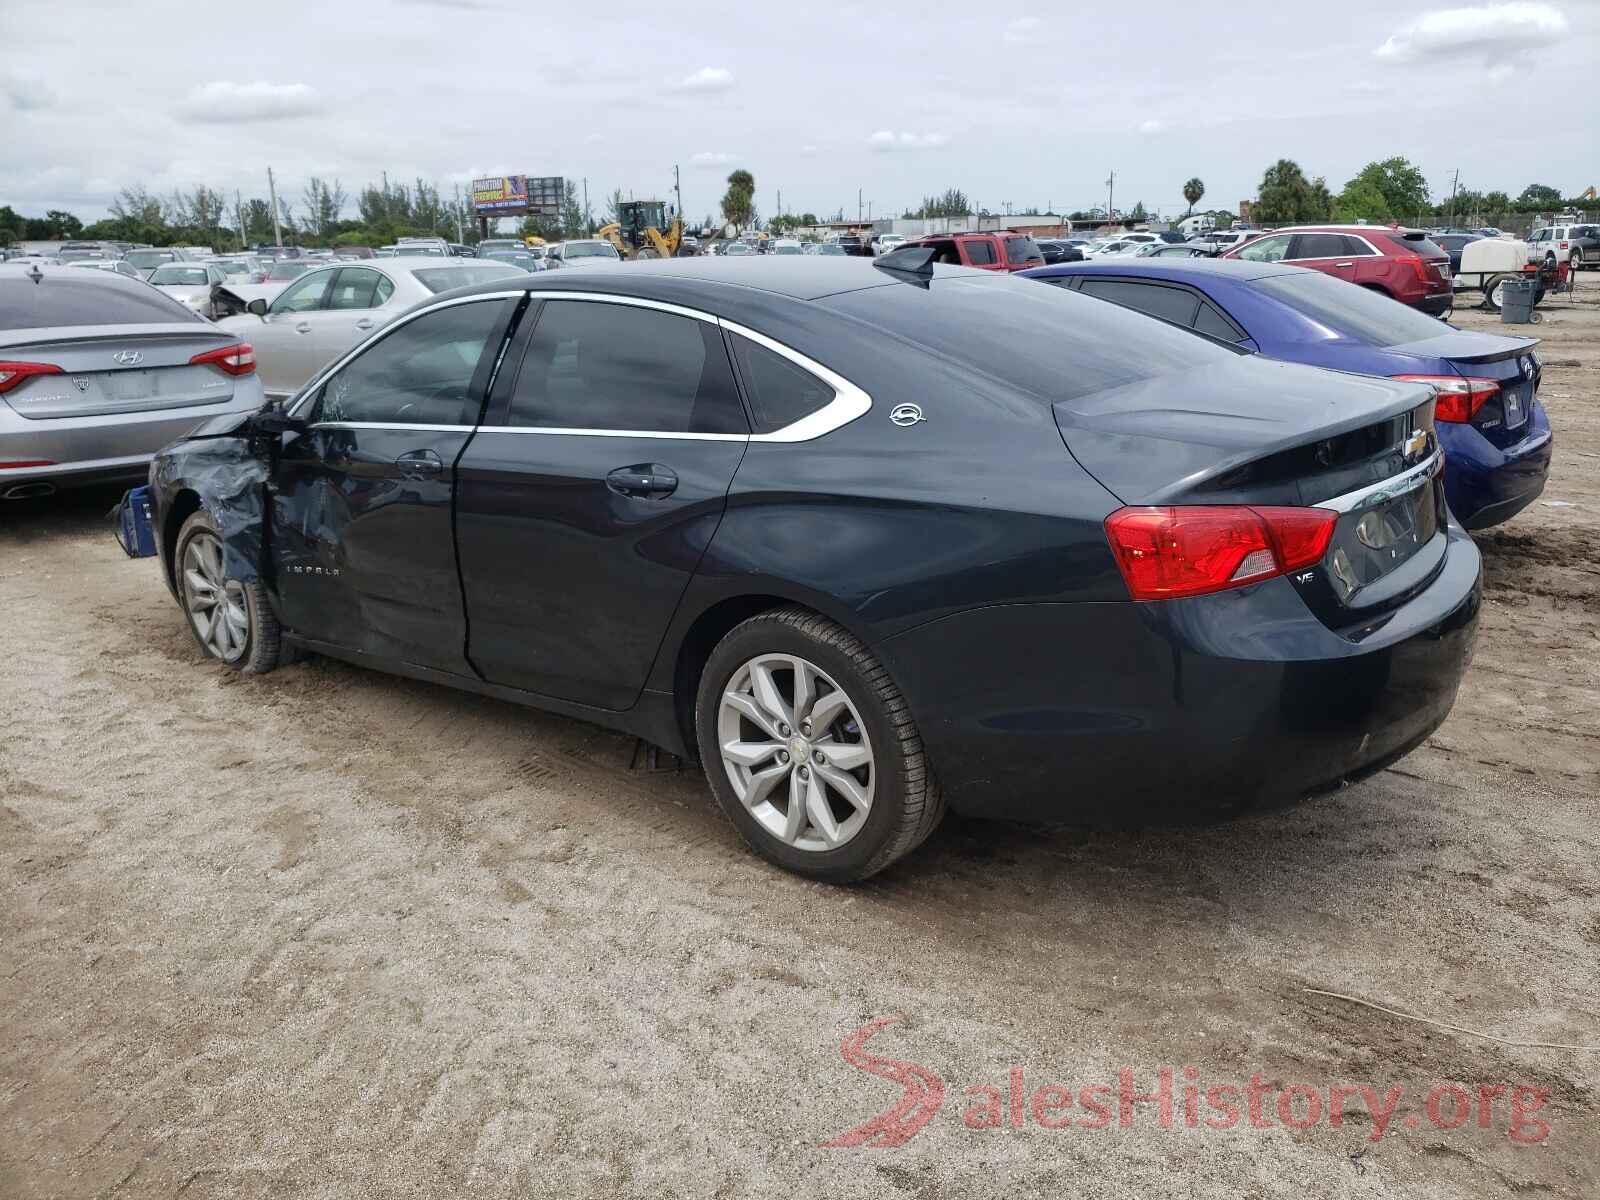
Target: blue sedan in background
(1494, 431)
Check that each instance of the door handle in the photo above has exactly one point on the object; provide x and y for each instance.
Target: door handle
(643, 481)
(419, 464)
(303, 327)
(364, 323)
(1345, 264)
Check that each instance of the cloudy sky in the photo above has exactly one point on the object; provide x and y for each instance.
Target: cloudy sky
(1027, 103)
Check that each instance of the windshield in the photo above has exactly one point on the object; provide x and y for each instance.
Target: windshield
(589, 250)
(443, 279)
(1352, 311)
(186, 276)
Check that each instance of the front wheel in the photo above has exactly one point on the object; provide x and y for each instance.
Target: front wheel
(811, 750)
(230, 618)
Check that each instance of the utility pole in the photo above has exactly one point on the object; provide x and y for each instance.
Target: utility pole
(677, 190)
(460, 233)
(272, 191)
(1111, 183)
(588, 220)
(1455, 182)
(238, 212)
(858, 206)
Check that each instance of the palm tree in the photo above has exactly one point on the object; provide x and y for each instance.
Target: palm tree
(1192, 191)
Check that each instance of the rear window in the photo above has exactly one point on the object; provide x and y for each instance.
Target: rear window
(1020, 250)
(1047, 340)
(85, 298)
(1351, 311)
(443, 279)
(1420, 243)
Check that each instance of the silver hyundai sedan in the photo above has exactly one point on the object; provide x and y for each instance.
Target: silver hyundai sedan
(331, 309)
(98, 372)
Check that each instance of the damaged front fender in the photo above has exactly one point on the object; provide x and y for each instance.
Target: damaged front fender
(218, 463)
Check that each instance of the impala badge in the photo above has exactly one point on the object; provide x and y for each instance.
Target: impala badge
(128, 358)
(1415, 446)
(80, 383)
(906, 414)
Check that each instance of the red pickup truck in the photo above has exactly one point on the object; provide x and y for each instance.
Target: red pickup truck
(999, 251)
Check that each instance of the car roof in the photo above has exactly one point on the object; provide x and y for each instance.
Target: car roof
(1182, 270)
(705, 281)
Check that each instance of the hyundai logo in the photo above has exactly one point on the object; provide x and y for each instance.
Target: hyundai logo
(128, 358)
(906, 414)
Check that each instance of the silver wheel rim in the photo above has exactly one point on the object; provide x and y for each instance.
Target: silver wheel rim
(796, 752)
(1497, 293)
(215, 603)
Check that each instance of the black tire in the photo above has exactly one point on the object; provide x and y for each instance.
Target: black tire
(907, 803)
(1489, 301)
(262, 646)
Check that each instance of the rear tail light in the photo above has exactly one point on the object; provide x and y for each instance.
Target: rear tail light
(1456, 399)
(12, 374)
(230, 360)
(1168, 552)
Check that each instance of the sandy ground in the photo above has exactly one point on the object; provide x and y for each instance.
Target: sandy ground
(329, 934)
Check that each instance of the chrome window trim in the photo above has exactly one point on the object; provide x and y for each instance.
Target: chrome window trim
(849, 401)
(378, 335)
(1395, 485)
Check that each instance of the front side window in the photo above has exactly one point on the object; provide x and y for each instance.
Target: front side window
(595, 365)
(303, 295)
(421, 373)
(1267, 249)
(979, 252)
(356, 287)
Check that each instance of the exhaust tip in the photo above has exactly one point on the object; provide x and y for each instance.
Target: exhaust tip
(28, 491)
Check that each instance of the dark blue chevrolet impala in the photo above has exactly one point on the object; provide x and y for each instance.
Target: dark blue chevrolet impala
(1495, 433)
(865, 540)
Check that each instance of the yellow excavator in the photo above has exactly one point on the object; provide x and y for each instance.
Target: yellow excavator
(639, 232)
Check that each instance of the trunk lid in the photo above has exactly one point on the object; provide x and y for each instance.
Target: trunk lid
(125, 369)
(1258, 432)
(1509, 361)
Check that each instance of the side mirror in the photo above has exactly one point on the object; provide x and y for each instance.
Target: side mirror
(257, 306)
(274, 422)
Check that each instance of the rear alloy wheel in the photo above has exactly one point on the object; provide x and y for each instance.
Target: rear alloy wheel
(229, 618)
(811, 750)
(1494, 295)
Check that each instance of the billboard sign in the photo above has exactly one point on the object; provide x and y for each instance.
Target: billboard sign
(514, 195)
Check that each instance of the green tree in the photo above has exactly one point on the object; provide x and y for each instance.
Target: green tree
(1404, 188)
(739, 201)
(1496, 202)
(257, 221)
(323, 205)
(1138, 213)
(1287, 196)
(1362, 200)
(952, 203)
(1539, 193)
(1192, 191)
(572, 222)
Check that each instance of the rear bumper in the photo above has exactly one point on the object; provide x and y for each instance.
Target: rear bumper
(1115, 714)
(1436, 305)
(1486, 485)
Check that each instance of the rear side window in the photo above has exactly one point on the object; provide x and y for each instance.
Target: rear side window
(1319, 245)
(1212, 323)
(1020, 250)
(79, 297)
(1167, 303)
(357, 287)
(979, 252)
(1355, 246)
(419, 374)
(780, 392)
(594, 365)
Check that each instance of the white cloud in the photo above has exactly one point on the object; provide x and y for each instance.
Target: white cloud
(710, 159)
(26, 92)
(1023, 30)
(886, 140)
(1492, 32)
(1152, 126)
(222, 102)
(808, 150)
(706, 79)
